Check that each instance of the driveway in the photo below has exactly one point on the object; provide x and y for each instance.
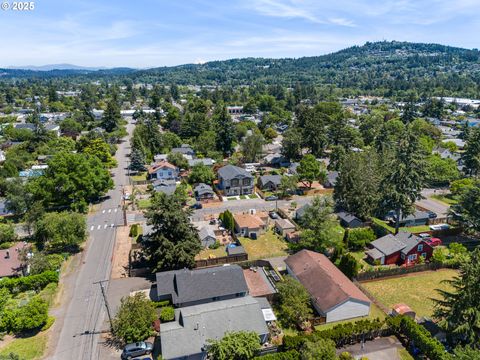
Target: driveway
(379, 349)
(431, 204)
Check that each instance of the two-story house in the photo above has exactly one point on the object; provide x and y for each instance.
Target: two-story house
(163, 170)
(234, 180)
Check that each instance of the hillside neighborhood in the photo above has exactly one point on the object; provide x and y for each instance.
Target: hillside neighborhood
(143, 220)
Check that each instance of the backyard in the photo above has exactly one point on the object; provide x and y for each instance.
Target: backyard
(412, 229)
(267, 245)
(416, 290)
(209, 253)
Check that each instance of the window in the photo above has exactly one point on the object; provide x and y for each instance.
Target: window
(246, 182)
(412, 257)
(424, 255)
(403, 256)
(420, 247)
(234, 182)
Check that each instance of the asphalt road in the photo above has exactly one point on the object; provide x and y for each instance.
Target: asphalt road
(428, 203)
(85, 313)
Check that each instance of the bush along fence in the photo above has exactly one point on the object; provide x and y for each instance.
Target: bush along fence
(405, 328)
(415, 335)
(397, 271)
(342, 334)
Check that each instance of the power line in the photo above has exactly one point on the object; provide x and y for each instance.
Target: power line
(106, 302)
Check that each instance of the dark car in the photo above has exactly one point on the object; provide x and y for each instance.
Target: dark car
(196, 206)
(273, 215)
(431, 215)
(131, 351)
(271, 198)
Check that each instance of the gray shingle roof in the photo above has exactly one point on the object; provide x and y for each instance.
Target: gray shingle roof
(230, 171)
(194, 285)
(237, 250)
(199, 323)
(275, 179)
(390, 244)
(204, 161)
(205, 232)
(202, 188)
(347, 217)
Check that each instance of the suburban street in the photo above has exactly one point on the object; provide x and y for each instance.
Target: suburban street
(84, 310)
(436, 206)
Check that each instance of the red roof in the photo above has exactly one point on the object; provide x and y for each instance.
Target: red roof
(161, 165)
(326, 284)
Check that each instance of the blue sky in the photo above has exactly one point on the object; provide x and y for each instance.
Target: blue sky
(149, 33)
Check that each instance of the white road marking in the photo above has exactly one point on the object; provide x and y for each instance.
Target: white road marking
(105, 226)
(112, 225)
(103, 211)
(109, 211)
(116, 210)
(92, 227)
(98, 227)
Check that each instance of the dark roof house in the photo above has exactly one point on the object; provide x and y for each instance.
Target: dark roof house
(349, 220)
(269, 182)
(192, 287)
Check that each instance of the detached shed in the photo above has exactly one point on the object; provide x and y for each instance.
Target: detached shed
(403, 309)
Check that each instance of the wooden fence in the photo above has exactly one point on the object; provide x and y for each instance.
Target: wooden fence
(221, 260)
(398, 271)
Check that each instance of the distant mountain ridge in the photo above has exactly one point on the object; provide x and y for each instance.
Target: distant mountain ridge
(379, 68)
(50, 67)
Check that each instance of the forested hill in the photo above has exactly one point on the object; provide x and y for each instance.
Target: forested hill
(380, 67)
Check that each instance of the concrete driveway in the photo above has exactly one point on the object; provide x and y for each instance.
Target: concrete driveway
(378, 349)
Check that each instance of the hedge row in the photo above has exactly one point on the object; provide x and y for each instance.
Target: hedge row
(31, 282)
(421, 338)
(289, 355)
(341, 334)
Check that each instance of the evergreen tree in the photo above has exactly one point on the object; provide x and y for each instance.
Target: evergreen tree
(137, 160)
(225, 130)
(471, 156)
(174, 241)
(405, 177)
(459, 309)
(111, 117)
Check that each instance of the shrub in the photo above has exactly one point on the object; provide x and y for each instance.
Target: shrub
(48, 323)
(289, 355)
(349, 265)
(167, 314)
(134, 230)
(359, 238)
(32, 282)
(159, 304)
(6, 245)
(33, 315)
(216, 245)
(420, 336)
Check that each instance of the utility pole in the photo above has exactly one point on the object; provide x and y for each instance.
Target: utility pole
(106, 303)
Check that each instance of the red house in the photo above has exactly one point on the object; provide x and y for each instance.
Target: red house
(401, 249)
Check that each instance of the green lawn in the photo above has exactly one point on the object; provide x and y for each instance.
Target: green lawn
(243, 197)
(144, 203)
(267, 245)
(446, 199)
(231, 198)
(29, 348)
(415, 290)
(375, 312)
(412, 229)
(253, 196)
(139, 177)
(206, 253)
(404, 354)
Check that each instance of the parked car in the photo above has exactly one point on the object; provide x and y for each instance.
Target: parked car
(196, 206)
(273, 215)
(440, 227)
(434, 241)
(431, 215)
(131, 351)
(271, 198)
(424, 236)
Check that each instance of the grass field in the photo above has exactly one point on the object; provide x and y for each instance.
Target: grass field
(446, 199)
(29, 348)
(139, 177)
(412, 229)
(267, 245)
(375, 312)
(144, 203)
(206, 253)
(415, 290)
